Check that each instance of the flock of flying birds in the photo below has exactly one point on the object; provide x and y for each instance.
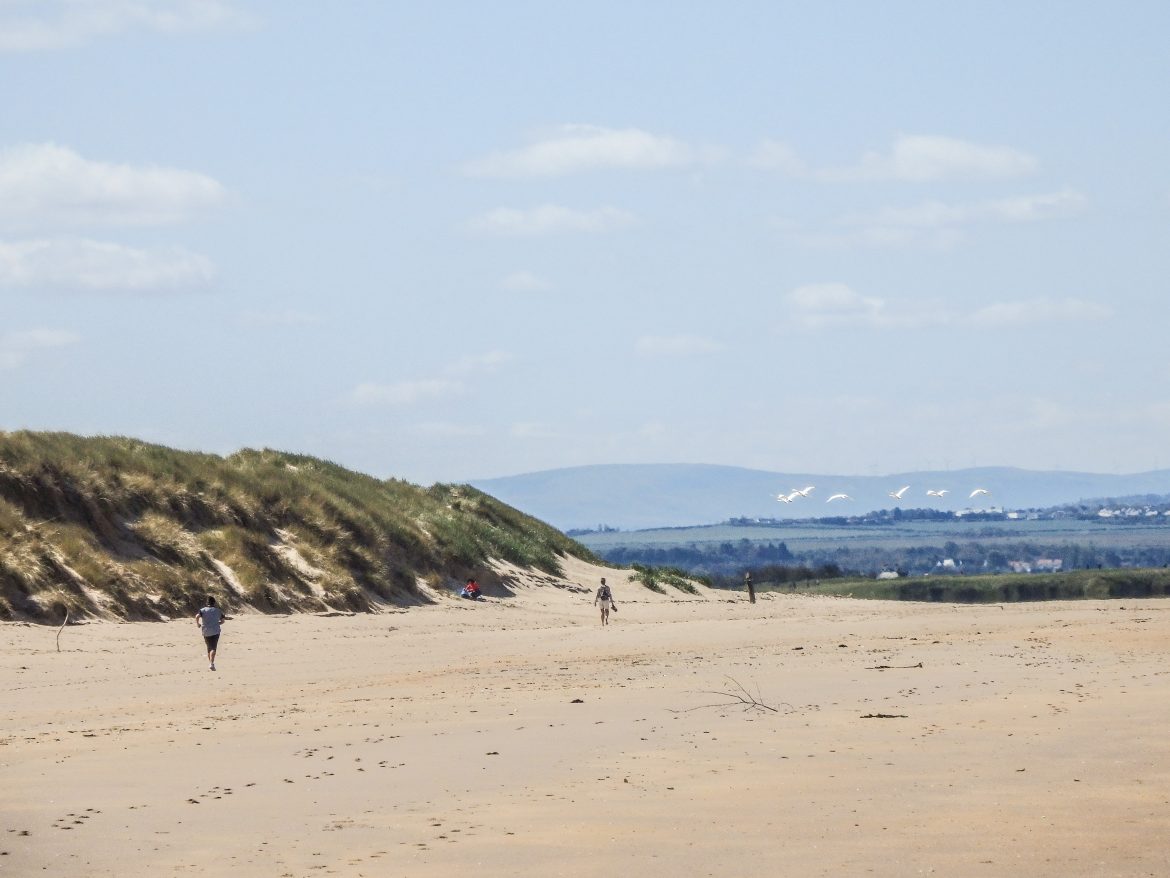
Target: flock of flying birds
(797, 493)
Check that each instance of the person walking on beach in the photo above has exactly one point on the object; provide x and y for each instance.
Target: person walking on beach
(209, 618)
(605, 598)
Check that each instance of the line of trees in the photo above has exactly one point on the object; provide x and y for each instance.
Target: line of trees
(731, 560)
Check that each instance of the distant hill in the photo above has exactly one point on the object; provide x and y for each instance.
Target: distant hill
(634, 496)
(118, 528)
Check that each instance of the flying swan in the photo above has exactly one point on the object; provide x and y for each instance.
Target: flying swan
(897, 495)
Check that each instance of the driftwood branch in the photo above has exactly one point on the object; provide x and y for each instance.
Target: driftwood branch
(738, 697)
(892, 667)
(62, 628)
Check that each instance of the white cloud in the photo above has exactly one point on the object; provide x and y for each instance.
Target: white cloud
(1035, 312)
(404, 393)
(550, 219)
(824, 304)
(575, 148)
(1017, 209)
(525, 282)
(81, 265)
(17, 347)
(36, 25)
(277, 318)
(48, 185)
(445, 430)
(772, 155)
(912, 158)
(479, 363)
(533, 430)
(930, 158)
(936, 224)
(675, 346)
(816, 306)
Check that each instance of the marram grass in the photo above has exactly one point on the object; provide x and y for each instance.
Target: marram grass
(116, 527)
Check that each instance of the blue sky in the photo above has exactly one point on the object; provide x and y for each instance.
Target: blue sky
(451, 241)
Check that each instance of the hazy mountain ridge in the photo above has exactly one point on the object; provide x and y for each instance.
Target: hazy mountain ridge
(634, 496)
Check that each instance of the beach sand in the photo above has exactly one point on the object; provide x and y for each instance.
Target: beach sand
(516, 736)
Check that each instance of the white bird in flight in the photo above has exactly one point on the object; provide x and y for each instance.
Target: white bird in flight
(897, 495)
(941, 492)
(977, 492)
(787, 498)
(838, 497)
(804, 492)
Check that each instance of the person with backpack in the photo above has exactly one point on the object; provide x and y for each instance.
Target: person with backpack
(209, 619)
(605, 599)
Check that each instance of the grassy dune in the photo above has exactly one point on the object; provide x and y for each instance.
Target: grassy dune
(117, 528)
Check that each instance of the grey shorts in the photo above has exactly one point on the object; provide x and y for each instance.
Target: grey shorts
(212, 641)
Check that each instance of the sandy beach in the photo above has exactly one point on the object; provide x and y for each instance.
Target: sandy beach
(517, 736)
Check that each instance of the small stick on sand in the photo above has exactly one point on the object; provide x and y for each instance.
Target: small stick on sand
(62, 628)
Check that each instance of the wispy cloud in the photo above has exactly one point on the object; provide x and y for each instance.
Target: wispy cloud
(533, 430)
(827, 304)
(930, 158)
(936, 224)
(277, 318)
(773, 155)
(911, 158)
(81, 265)
(550, 219)
(525, 282)
(404, 393)
(675, 346)
(479, 363)
(935, 214)
(1033, 312)
(445, 430)
(46, 185)
(17, 347)
(817, 306)
(38, 25)
(575, 148)
(450, 383)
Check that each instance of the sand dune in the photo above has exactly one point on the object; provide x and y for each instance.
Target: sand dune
(518, 737)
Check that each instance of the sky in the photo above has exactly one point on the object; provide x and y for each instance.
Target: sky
(460, 240)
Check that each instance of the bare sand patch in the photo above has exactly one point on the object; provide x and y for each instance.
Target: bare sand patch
(516, 736)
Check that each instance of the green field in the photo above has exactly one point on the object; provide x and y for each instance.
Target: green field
(996, 588)
(807, 536)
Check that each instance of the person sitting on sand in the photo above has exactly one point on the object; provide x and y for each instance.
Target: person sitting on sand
(471, 590)
(209, 619)
(605, 599)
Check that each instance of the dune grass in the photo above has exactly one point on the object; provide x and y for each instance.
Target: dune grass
(655, 578)
(112, 526)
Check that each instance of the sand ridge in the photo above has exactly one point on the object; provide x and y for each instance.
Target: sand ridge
(516, 736)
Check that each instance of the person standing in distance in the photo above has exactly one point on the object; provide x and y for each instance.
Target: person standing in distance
(209, 619)
(605, 598)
